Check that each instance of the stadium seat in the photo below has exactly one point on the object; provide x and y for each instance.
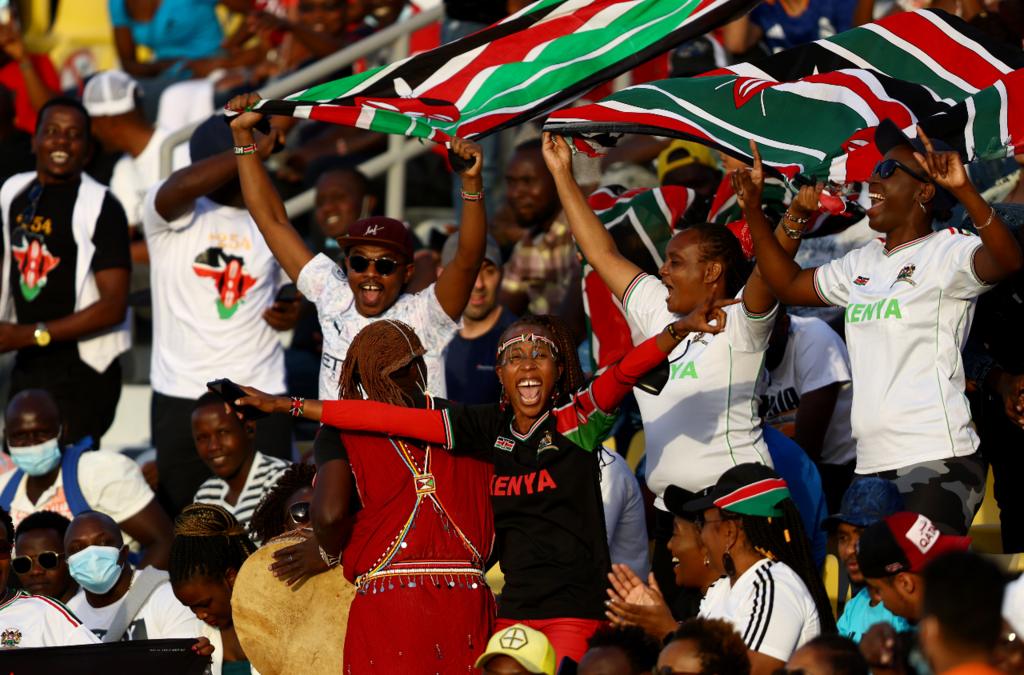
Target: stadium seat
(80, 41)
(837, 584)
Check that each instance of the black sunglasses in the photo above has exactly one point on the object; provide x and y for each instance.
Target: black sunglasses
(299, 513)
(48, 560)
(887, 167)
(384, 266)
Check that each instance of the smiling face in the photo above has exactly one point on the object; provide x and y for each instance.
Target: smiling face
(209, 599)
(530, 189)
(528, 371)
(719, 536)
(374, 292)
(847, 537)
(685, 274)
(221, 441)
(484, 297)
(340, 196)
(55, 582)
(895, 200)
(61, 144)
(688, 554)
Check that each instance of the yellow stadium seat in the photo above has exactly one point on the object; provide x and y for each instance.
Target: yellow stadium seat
(81, 39)
(833, 577)
(35, 17)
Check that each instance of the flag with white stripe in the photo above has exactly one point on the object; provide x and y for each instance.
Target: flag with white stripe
(535, 61)
(812, 109)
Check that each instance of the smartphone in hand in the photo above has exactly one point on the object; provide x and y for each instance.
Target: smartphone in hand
(231, 392)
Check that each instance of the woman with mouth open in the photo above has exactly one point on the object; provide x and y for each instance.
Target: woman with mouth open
(542, 438)
(909, 299)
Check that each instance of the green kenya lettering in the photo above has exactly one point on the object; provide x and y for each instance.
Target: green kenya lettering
(683, 370)
(885, 308)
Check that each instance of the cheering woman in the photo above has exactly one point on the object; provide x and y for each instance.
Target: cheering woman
(545, 492)
(909, 299)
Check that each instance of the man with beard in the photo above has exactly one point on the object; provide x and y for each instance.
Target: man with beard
(470, 358)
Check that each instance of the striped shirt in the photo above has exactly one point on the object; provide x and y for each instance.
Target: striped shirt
(769, 606)
(37, 621)
(263, 475)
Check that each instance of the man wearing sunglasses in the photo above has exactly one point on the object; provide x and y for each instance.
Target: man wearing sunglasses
(39, 559)
(378, 263)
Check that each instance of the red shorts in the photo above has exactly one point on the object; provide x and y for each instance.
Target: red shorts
(568, 636)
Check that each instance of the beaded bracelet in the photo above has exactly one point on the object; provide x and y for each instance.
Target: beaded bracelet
(245, 149)
(472, 196)
(331, 561)
(298, 404)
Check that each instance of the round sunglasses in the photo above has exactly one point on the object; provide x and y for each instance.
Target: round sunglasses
(299, 513)
(48, 560)
(384, 266)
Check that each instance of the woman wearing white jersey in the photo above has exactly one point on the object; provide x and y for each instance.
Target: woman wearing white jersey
(909, 300)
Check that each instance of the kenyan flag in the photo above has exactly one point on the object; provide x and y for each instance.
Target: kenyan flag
(535, 61)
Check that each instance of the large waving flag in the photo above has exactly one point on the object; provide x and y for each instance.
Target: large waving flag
(813, 109)
(535, 61)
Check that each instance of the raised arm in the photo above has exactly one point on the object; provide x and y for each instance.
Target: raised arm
(999, 255)
(782, 277)
(261, 198)
(597, 245)
(456, 281)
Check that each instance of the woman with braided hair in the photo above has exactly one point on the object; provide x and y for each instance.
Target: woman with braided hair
(541, 440)
(208, 549)
(770, 588)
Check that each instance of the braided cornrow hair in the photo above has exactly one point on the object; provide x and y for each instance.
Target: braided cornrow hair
(269, 520)
(572, 378)
(208, 541)
(783, 538)
(376, 352)
(719, 243)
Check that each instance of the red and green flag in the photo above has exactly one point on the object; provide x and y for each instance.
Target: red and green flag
(535, 61)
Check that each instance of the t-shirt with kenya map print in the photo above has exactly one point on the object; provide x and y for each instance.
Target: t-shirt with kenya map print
(212, 277)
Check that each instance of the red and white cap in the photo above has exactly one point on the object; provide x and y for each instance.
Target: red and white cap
(903, 542)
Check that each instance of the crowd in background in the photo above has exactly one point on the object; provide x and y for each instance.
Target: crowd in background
(780, 406)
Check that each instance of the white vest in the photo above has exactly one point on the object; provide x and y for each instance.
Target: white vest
(99, 350)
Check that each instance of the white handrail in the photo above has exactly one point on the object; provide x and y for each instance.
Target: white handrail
(399, 150)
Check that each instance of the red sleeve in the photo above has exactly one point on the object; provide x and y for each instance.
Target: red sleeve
(47, 73)
(611, 386)
(429, 426)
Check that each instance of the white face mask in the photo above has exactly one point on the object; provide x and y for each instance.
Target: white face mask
(39, 459)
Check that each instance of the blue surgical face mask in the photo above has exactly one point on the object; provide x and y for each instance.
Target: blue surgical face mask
(39, 459)
(96, 569)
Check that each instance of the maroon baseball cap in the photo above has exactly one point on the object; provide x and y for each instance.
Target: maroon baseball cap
(380, 231)
(903, 542)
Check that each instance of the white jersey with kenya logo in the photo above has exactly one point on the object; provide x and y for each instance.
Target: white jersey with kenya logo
(38, 621)
(908, 314)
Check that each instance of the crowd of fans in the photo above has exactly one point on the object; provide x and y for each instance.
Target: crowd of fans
(471, 472)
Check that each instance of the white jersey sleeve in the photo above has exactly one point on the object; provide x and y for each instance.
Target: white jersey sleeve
(771, 617)
(748, 332)
(832, 280)
(820, 358)
(959, 278)
(644, 305)
(322, 277)
(61, 627)
(113, 484)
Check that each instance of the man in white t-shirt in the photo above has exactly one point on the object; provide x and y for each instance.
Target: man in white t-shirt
(214, 282)
(806, 394)
(73, 479)
(377, 266)
(136, 604)
(625, 519)
(32, 620)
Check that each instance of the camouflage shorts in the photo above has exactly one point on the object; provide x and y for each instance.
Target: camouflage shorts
(949, 491)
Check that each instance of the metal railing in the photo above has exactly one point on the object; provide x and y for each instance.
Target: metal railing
(399, 149)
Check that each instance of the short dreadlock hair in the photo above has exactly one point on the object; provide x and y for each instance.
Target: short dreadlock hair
(208, 541)
(268, 520)
(376, 353)
(641, 649)
(720, 647)
(571, 379)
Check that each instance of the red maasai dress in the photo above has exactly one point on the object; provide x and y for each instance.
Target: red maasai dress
(416, 555)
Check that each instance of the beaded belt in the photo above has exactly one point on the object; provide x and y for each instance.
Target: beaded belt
(414, 573)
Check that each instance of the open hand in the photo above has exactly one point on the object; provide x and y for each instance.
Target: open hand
(627, 586)
(557, 154)
(651, 612)
(945, 168)
(748, 183)
(472, 153)
(701, 318)
(294, 563)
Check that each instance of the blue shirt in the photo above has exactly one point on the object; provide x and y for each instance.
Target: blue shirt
(822, 19)
(858, 616)
(469, 365)
(804, 482)
(180, 29)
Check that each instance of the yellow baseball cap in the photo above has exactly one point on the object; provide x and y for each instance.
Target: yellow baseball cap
(528, 646)
(683, 153)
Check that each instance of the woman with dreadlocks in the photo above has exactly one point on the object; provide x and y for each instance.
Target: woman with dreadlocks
(545, 491)
(770, 588)
(208, 549)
